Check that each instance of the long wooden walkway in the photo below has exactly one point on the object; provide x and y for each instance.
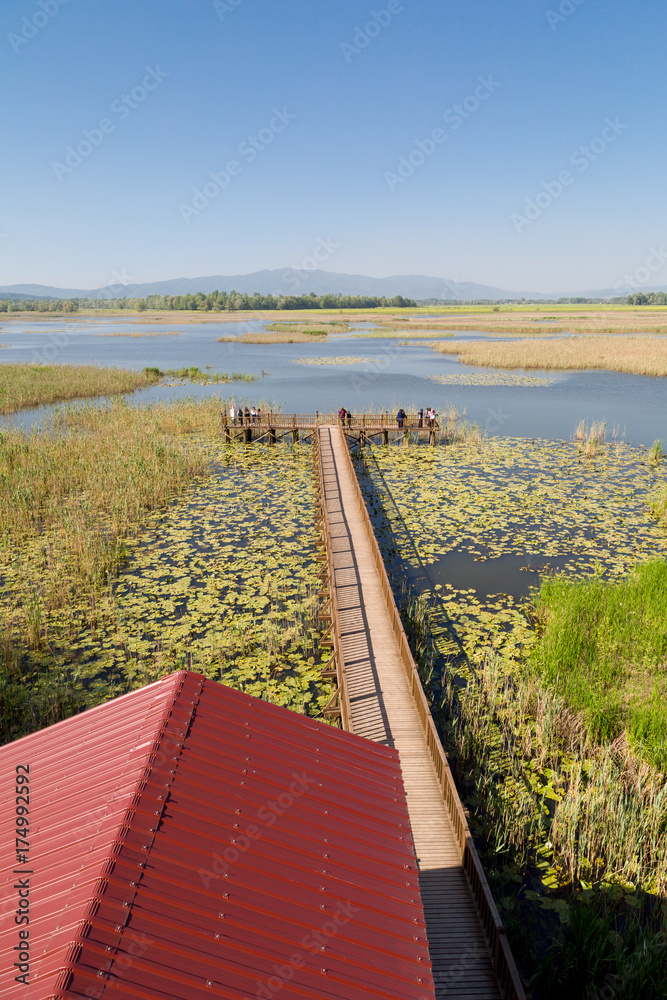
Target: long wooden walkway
(468, 960)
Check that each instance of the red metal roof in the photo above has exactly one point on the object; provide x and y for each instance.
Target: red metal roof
(188, 841)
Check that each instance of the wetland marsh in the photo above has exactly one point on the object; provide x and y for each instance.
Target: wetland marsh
(532, 576)
(134, 543)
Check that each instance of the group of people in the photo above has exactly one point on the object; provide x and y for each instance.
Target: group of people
(244, 415)
(345, 416)
(429, 415)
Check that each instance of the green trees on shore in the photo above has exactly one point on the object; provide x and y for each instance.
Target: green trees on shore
(213, 302)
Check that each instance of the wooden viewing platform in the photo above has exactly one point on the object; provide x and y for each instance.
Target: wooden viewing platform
(272, 427)
(380, 697)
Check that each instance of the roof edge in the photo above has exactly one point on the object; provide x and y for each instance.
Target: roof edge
(161, 765)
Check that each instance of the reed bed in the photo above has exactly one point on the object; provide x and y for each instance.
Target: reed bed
(77, 488)
(134, 543)
(636, 355)
(297, 337)
(659, 505)
(310, 327)
(559, 760)
(596, 812)
(23, 385)
(529, 322)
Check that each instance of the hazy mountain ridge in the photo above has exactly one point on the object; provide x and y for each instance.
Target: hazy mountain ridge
(289, 281)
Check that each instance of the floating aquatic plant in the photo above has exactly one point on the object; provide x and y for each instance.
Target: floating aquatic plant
(335, 360)
(491, 378)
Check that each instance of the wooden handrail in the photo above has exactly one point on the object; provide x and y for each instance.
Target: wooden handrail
(503, 961)
(358, 421)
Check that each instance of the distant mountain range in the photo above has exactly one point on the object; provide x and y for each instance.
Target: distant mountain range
(288, 281)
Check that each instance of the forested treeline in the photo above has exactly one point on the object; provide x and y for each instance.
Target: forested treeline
(646, 299)
(213, 302)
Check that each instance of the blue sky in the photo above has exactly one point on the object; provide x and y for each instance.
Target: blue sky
(182, 87)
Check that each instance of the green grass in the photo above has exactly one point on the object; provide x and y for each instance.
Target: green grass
(659, 505)
(603, 646)
(308, 327)
(195, 374)
(23, 385)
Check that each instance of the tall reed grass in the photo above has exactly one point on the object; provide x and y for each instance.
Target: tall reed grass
(72, 491)
(23, 385)
(637, 355)
(538, 777)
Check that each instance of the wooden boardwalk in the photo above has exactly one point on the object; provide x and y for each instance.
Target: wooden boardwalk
(381, 706)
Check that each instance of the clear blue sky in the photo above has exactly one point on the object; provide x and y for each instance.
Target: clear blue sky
(123, 208)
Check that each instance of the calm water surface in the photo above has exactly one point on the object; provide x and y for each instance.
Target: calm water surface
(388, 376)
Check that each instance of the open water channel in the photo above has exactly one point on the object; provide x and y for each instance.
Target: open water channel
(385, 376)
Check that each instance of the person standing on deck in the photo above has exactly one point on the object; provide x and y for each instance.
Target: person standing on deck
(253, 414)
(420, 414)
(349, 418)
(232, 414)
(247, 415)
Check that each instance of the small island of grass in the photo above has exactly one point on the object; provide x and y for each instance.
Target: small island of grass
(24, 385)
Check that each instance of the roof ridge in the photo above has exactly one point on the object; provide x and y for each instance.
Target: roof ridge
(165, 750)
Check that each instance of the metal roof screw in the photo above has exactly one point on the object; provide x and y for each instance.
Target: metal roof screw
(221, 915)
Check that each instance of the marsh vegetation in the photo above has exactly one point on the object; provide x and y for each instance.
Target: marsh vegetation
(24, 385)
(293, 332)
(637, 355)
(531, 321)
(135, 543)
(551, 702)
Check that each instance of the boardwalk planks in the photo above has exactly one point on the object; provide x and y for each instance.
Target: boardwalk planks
(467, 963)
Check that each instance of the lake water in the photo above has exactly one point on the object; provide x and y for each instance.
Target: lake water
(388, 376)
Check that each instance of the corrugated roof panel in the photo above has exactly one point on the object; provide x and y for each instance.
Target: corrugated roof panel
(219, 847)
